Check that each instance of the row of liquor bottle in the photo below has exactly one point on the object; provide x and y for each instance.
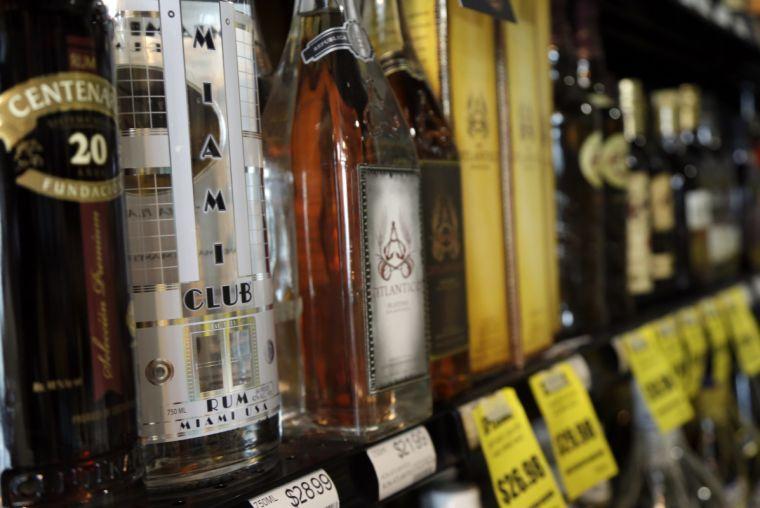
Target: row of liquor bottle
(346, 238)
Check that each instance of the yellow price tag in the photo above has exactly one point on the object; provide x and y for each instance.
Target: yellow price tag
(580, 446)
(520, 475)
(744, 328)
(690, 329)
(717, 335)
(659, 384)
(670, 342)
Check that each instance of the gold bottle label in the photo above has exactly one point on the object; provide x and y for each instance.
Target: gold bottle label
(614, 161)
(475, 119)
(529, 171)
(590, 159)
(638, 235)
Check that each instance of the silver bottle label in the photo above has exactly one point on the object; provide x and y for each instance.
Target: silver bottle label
(191, 152)
(394, 276)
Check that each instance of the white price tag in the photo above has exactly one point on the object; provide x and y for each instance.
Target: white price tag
(402, 461)
(315, 490)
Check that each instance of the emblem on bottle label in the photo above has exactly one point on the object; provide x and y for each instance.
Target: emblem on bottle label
(351, 37)
(590, 158)
(202, 287)
(614, 161)
(395, 284)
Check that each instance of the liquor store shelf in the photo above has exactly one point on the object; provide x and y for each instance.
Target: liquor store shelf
(348, 464)
(665, 43)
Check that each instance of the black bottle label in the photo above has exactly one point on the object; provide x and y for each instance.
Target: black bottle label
(444, 253)
(351, 37)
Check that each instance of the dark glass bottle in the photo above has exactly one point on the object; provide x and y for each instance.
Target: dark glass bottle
(594, 78)
(662, 198)
(358, 227)
(441, 196)
(666, 124)
(580, 228)
(697, 198)
(638, 229)
(68, 402)
(746, 155)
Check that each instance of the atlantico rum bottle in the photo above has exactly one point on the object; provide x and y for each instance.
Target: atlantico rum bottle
(457, 48)
(638, 227)
(441, 196)
(68, 405)
(201, 285)
(577, 148)
(358, 226)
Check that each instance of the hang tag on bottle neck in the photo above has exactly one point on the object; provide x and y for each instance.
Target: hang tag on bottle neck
(500, 9)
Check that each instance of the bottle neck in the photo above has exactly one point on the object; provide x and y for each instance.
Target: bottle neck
(383, 22)
(592, 71)
(562, 53)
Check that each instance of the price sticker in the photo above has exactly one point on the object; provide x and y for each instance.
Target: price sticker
(717, 336)
(670, 342)
(520, 475)
(744, 328)
(315, 490)
(661, 388)
(690, 329)
(402, 461)
(580, 446)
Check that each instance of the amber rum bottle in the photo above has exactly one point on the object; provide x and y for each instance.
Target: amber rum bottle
(358, 225)
(197, 250)
(68, 402)
(441, 196)
(458, 48)
(577, 149)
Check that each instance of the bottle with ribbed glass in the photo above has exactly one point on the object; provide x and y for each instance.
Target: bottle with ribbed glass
(595, 79)
(638, 228)
(197, 249)
(670, 149)
(69, 435)
(441, 196)
(663, 205)
(278, 187)
(579, 195)
(358, 226)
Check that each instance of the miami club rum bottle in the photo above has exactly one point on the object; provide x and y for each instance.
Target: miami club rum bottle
(441, 196)
(68, 404)
(201, 285)
(358, 226)
(458, 48)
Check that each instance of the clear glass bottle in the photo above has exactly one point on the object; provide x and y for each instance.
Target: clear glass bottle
(201, 286)
(358, 227)
(278, 186)
(68, 435)
(441, 197)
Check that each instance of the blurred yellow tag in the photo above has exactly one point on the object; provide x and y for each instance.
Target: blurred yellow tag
(670, 342)
(580, 446)
(717, 335)
(693, 336)
(520, 475)
(744, 329)
(660, 387)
